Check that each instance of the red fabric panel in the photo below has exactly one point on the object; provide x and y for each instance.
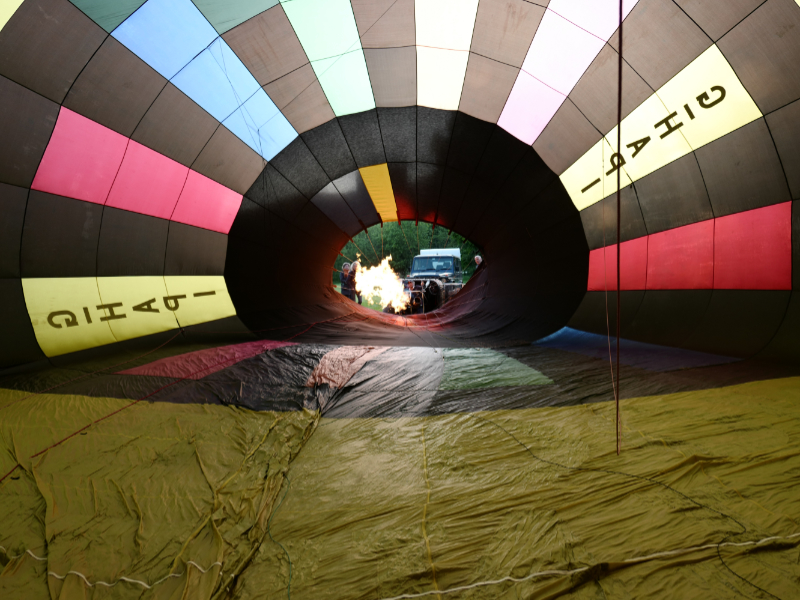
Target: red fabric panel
(633, 260)
(753, 249)
(81, 159)
(682, 258)
(147, 183)
(196, 365)
(207, 204)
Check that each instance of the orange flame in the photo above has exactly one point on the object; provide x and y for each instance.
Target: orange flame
(381, 284)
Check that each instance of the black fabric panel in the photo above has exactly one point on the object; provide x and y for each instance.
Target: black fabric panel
(249, 223)
(60, 237)
(12, 215)
(404, 186)
(17, 341)
(784, 125)
(474, 205)
(764, 50)
(717, 17)
(322, 232)
(363, 136)
(131, 244)
(399, 132)
(530, 177)
(195, 251)
(739, 322)
(429, 184)
(280, 196)
(434, 129)
(330, 202)
(329, 147)
(45, 44)
(632, 223)
(355, 193)
(301, 169)
(784, 346)
(470, 137)
(115, 89)
(249, 283)
(591, 314)
(26, 122)
(175, 126)
(454, 187)
(742, 170)
(674, 196)
(502, 154)
(566, 138)
(669, 317)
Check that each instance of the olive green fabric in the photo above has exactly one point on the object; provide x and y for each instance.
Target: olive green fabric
(378, 508)
(471, 368)
(174, 497)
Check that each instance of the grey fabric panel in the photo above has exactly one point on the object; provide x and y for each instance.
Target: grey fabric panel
(60, 237)
(739, 322)
(267, 45)
(632, 222)
(674, 196)
(331, 203)
(115, 89)
(298, 165)
(393, 74)
(504, 29)
(131, 244)
(363, 136)
(487, 85)
(434, 131)
(175, 126)
(742, 171)
(355, 194)
(660, 40)
(17, 340)
(385, 23)
(45, 44)
(764, 50)
(12, 208)
(669, 317)
(300, 98)
(717, 17)
(195, 251)
(329, 147)
(566, 138)
(596, 92)
(784, 125)
(26, 122)
(229, 161)
(399, 132)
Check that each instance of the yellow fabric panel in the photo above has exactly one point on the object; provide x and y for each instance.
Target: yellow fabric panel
(58, 310)
(7, 10)
(200, 304)
(74, 313)
(142, 300)
(379, 185)
(702, 103)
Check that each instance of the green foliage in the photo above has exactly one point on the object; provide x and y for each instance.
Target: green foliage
(403, 241)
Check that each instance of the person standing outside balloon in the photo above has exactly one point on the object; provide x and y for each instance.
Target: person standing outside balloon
(344, 278)
(352, 279)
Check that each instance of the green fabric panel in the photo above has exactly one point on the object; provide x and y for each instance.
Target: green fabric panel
(345, 81)
(470, 368)
(380, 508)
(227, 14)
(158, 493)
(108, 13)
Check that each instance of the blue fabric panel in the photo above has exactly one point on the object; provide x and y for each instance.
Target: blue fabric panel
(633, 354)
(260, 125)
(166, 34)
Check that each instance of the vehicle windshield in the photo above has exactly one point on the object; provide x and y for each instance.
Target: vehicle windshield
(440, 264)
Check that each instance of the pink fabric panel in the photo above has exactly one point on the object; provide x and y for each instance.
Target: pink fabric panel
(196, 365)
(753, 249)
(600, 17)
(529, 108)
(81, 159)
(560, 52)
(682, 258)
(207, 204)
(147, 183)
(633, 260)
